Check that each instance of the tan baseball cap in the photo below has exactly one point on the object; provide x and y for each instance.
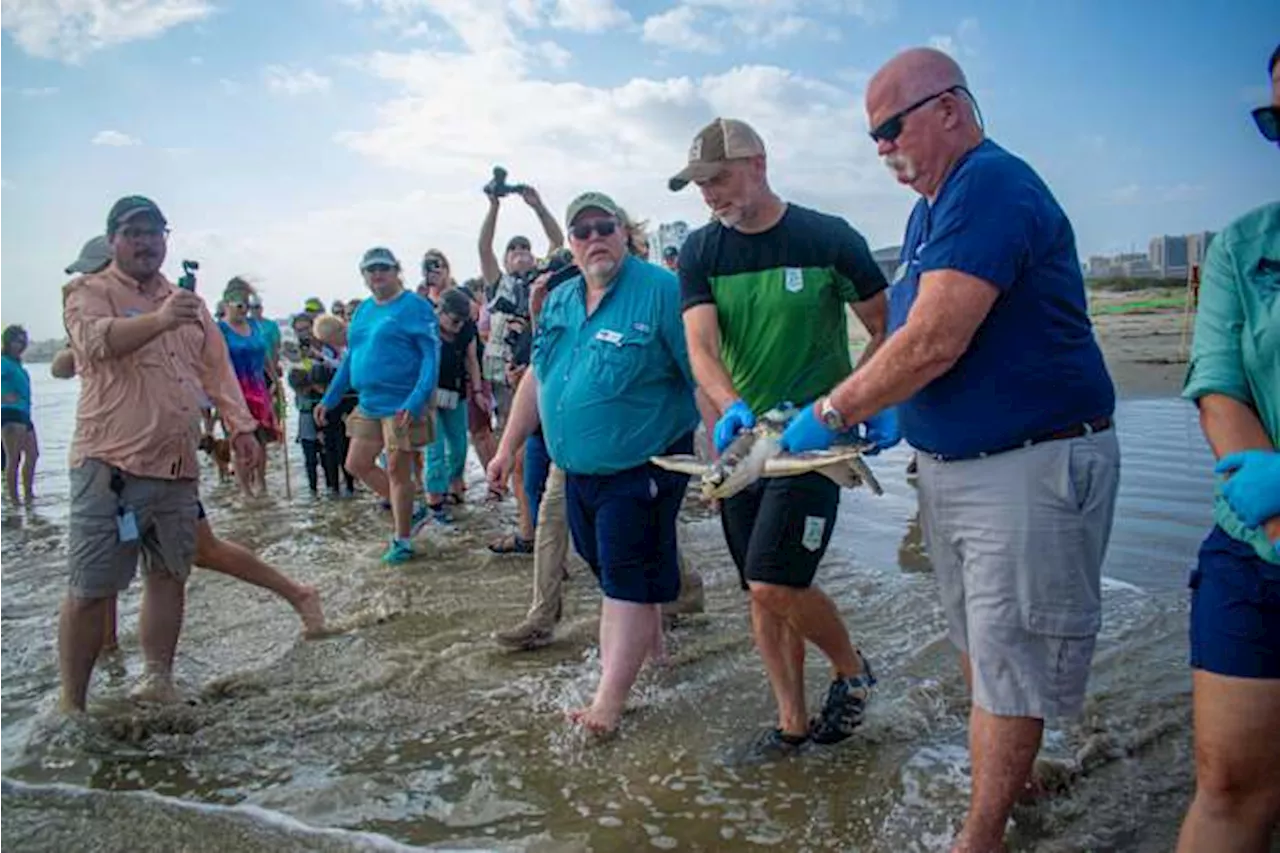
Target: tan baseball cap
(723, 140)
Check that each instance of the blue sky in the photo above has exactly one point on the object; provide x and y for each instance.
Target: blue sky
(283, 138)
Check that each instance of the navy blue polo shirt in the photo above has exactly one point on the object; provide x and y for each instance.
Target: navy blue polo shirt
(614, 388)
(1033, 365)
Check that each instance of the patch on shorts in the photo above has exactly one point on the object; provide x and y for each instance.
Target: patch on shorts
(814, 527)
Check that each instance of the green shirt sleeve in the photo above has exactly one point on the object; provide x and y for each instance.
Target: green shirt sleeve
(1217, 362)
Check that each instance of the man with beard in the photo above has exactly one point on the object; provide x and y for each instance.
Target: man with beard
(146, 351)
(611, 387)
(764, 287)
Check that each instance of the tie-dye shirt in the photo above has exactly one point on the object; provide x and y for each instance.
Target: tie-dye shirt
(249, 361)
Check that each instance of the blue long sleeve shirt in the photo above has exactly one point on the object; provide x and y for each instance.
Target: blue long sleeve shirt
(392, 359)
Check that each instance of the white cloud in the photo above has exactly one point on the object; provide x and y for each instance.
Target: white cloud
(228, 86)
(1137, 194)
(554, 55)
(39, 92)
(964, 42)
(681, 28)
(115, 139)
(588, 16)
(70, 30)
(196, 60)
(290, 81)
(502, 106)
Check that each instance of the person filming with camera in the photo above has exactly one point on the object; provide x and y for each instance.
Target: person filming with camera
(507, 289)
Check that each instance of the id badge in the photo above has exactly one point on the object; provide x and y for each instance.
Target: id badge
(446, 399)
(127, 526)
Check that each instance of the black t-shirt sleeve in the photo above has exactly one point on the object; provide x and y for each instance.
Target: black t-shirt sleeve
(860, 277)
(695, 286)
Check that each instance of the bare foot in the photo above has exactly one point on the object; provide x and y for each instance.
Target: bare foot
(596, 719)
(155, 687)
(310, 612)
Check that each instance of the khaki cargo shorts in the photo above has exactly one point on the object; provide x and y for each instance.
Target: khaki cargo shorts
(416, 436)
(1017, 541)
(165, 514)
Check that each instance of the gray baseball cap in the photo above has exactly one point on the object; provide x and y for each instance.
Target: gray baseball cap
(95, 255)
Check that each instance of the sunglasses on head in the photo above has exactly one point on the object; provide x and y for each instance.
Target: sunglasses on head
(891, 128)
(1268, 121)
(603, 227)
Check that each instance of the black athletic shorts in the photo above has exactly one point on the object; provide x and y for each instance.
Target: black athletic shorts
(779, 528)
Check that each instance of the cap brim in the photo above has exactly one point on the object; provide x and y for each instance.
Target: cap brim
(695, 172)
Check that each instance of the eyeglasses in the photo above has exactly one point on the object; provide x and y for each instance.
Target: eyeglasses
(136, 234)
(891, 128)
(240, 305)
(377, 268)
(1268, 121)
(603, 227)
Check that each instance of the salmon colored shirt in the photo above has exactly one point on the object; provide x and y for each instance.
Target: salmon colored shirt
(140, 412)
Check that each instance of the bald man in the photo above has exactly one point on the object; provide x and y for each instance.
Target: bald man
(1001, 387)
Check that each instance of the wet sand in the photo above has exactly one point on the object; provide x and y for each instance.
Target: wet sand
(409, 727)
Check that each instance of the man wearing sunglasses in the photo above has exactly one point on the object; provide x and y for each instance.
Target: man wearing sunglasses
(507, 287)
(393, 362)
(611, 386)
(1002, 389)
(145, 351)
(764, 288)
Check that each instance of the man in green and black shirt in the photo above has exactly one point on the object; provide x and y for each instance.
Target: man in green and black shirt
(764, 287)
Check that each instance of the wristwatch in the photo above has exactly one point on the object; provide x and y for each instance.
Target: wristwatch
(830, 416)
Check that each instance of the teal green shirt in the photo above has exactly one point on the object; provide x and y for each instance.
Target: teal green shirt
(1236, 349)
(614, 388)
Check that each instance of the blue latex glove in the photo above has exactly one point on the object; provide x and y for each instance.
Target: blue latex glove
(1253, 491)
(735, 419)
(881, 430)
(806, 432)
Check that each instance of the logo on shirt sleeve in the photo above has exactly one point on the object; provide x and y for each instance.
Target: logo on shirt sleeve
(793, 279)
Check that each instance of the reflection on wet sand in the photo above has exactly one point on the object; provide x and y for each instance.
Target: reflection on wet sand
(408, 723)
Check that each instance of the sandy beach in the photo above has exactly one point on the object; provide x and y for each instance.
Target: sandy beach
(1141, 333)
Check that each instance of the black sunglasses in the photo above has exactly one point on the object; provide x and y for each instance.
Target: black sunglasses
(519, 246)
(1268, 121)
(891, 128)
(378, 268)
(603, 227)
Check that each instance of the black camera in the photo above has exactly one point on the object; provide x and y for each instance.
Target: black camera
(561, 267)
(188, 280)
(498, 186)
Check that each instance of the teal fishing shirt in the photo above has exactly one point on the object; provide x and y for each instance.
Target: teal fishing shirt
(1236, 349)
(614, 388)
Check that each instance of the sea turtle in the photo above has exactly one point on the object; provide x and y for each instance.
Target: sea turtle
(756, 453)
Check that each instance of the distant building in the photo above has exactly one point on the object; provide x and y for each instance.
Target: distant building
(887, 260)
(669, 234)
(1168, 256)
(1197, 246)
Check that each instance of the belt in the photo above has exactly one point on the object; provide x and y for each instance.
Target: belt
(1100, 424)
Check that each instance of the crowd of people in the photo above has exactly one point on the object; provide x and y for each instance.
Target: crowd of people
(568, 386)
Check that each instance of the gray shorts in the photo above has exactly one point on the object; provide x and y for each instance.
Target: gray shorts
(1017, 542)
(166, 512)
